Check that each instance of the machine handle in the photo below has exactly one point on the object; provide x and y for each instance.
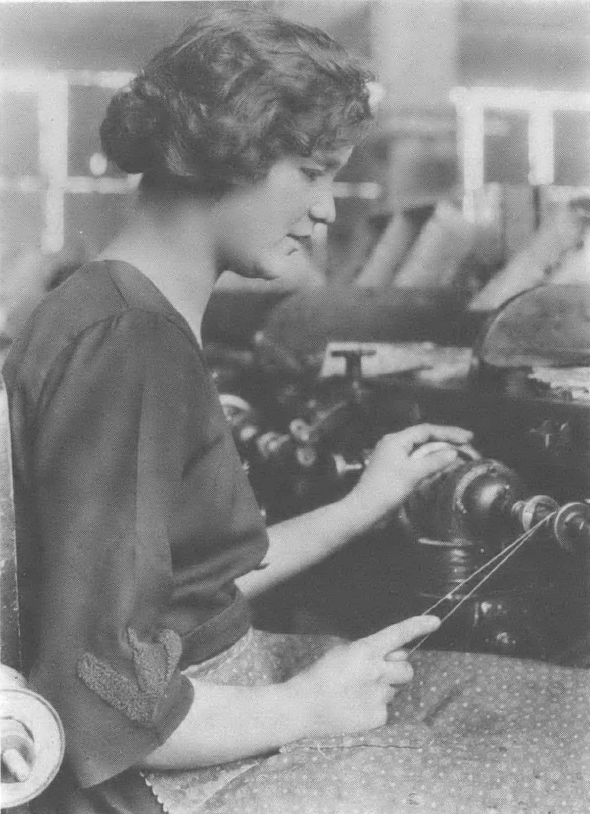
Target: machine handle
(354, 371)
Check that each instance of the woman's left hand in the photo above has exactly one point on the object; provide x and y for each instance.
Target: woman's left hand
(399, 462)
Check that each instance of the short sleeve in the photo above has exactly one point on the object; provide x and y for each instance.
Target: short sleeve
(107, 456)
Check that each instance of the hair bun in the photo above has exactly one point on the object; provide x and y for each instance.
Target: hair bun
(130, 128)
(237, 91)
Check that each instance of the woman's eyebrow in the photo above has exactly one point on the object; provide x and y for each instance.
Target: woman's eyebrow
(328, 162)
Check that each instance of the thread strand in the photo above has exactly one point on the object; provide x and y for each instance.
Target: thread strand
(503, 556)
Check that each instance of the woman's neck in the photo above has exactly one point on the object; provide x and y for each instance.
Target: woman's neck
(175, 253)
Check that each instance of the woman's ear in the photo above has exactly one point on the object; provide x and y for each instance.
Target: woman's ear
(377, 93)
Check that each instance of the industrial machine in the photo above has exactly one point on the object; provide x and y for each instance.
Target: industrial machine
(525, 392)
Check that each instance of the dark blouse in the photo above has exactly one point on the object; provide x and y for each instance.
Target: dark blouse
(134, 515)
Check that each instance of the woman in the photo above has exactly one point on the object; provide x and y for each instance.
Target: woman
(140, 538)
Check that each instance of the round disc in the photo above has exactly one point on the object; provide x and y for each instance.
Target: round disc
(42, 721)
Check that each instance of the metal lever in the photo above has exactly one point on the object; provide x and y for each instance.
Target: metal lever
(352, 358)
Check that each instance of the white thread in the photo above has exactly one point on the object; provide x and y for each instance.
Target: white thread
(503, 556)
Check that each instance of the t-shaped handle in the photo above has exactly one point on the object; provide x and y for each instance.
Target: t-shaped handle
(352, 358)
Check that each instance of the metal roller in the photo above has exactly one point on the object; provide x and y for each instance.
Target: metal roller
(571, 524)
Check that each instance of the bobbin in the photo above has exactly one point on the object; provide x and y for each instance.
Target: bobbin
(29, 724)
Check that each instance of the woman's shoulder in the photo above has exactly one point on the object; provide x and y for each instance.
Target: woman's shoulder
(91, 310)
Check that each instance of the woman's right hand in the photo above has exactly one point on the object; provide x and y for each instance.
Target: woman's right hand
(349, 688)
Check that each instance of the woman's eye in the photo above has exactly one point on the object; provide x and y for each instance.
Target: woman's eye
(311, 173)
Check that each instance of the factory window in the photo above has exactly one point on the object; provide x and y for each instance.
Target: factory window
(520, 155)
(50, 154)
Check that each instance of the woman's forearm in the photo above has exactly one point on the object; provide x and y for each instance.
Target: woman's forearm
(228, 723)
(346, 690)
(393, 471)
(302, 541)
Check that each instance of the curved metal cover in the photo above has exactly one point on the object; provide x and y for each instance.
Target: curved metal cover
(548, 325)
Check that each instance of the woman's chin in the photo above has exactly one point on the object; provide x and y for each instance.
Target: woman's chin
(276, 267)
(291, 269)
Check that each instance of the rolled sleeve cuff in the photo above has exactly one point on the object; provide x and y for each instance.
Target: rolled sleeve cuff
(117, 744)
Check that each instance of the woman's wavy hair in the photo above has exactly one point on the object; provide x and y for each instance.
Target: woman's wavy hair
(237, 91)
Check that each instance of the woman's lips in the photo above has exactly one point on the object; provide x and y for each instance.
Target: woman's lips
(296, 243)
(293, 245)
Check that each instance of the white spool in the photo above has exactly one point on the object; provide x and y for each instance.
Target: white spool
(43, 723)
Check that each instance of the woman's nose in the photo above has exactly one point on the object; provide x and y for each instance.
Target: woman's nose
(323, 210)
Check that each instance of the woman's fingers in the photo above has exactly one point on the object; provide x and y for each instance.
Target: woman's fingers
(400, 672)
(420, 434)
(430, 447)
(395, 636)
(434, 462)
(390, 693)
(434, 457)
(396, 655)
(465, 450)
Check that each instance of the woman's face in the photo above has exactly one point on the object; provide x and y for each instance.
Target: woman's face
(259, 230)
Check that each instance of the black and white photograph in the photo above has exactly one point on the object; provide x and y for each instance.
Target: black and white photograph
(295, 407)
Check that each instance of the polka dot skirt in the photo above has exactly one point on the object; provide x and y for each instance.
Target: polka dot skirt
(472, 734)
